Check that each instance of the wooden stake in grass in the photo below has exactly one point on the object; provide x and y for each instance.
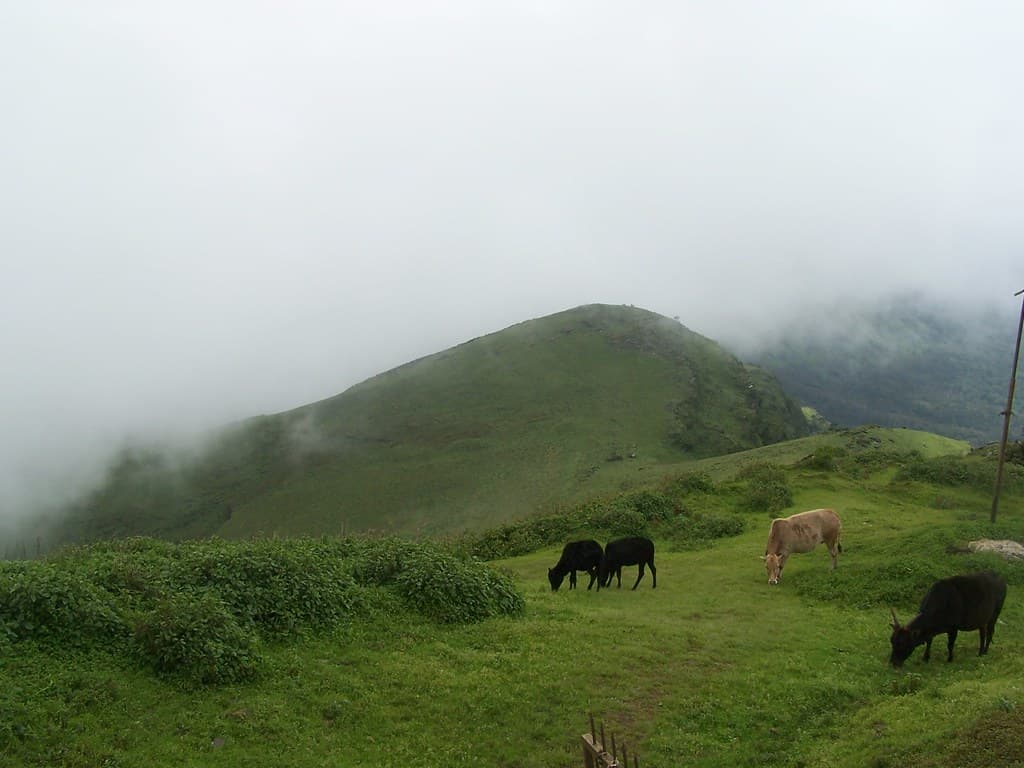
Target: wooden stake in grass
(1006, 416)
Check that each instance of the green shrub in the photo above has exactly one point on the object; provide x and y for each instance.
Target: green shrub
(436, 582)
(194, 635)
(824, 458)
(650, 506)
(379, 562)
(624, 522)
(520, 538)
(277, 586)
(691, 530)
(42, 602)
(961, 471)
(766, 489)
(684, 485)
(451, 590)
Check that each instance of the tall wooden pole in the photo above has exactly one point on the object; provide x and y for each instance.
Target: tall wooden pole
(1006, 416)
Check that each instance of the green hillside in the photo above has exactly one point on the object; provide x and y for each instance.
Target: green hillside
(545, 412)
(379, 652)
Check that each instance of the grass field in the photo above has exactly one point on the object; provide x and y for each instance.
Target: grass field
(712, 668)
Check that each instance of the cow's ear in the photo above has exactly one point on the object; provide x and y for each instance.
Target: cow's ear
(764, 557)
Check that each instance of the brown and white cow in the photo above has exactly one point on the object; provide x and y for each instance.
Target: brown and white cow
(800, 533)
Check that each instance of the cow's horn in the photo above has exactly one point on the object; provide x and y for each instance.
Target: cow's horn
(895, 622)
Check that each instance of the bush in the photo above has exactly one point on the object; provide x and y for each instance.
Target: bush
(767, 489)
(824, 458)
(437, 583)
(41, 602)
(956, 471)
(650, 506)
(684, 485)
(624, 522)
(696, 529)
(451, 590)
(194, 635)
(520, 538)
(277, 586)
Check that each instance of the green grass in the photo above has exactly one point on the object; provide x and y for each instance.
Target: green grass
(712, 668)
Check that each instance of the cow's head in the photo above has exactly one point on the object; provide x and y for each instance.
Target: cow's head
(555, 579)
(904, 640)
(773, 565)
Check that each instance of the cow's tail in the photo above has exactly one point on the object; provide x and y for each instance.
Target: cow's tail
(839, 545)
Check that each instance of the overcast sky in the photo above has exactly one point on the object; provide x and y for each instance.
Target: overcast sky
(217, 209)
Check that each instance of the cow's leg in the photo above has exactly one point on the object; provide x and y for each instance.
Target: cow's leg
(950, 642)
(572, 579)
(834, 551)
(639, 575)
(654, 575)
(927, 649)
(618, 577)
(593, 578)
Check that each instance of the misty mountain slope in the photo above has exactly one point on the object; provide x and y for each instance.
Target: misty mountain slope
(905, 363)
(541, 413)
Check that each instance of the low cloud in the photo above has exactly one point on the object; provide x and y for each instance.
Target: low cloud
(218, 212)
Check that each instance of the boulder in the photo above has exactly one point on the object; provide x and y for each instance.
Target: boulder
(1011, 550)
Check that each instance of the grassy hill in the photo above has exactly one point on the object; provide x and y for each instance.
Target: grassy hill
(546, 412)
(374, 666)
(904, 362)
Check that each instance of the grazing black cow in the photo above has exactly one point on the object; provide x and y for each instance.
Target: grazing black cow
(576, 556)
(634, 550)
(967, 602)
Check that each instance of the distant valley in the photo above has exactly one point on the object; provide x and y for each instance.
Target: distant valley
(905, 362)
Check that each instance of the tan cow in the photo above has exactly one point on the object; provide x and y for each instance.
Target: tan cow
(800, 533)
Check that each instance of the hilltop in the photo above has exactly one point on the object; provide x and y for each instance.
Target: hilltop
(546, 412)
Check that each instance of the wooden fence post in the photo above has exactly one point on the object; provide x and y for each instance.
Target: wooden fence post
(596, 755)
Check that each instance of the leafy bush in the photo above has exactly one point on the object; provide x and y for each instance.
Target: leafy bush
(196, 609)
(519, 538)
(824, 458)
(684, 485)
(278, 586)
(642, 513)
(624, 515)
(696, 529)
(195, 635)
(450, 590)
(625, 522)
(767, 489)
(960, 471)
(650, 506)
(379, 562)
(41, 602)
